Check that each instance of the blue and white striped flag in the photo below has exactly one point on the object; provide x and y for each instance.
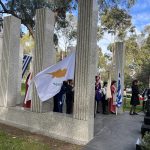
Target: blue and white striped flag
(119, 92)
(26, 62)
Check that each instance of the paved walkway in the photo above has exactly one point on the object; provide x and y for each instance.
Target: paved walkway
(116, 132)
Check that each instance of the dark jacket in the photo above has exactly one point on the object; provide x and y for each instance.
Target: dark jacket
(97, 92)
(135, 96)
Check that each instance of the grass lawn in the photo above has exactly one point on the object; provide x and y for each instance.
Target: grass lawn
(23, 89)
(127, 106)
(12, 138)
(9, 142)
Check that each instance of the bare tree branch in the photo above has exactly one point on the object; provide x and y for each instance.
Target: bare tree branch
(3, 6)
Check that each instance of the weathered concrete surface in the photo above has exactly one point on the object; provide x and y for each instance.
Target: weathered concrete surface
(86, 64)
(1, 47)
(116, 132)
(56, 125)
(10, 62)
(44, 54)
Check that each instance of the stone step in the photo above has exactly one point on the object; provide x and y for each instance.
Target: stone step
(147, 120)
(145, 128)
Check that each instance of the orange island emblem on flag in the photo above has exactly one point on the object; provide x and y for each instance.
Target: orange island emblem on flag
(59, 73)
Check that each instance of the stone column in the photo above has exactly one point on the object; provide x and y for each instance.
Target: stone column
(10, 61)
(86, 63)
(119, 62)
(19, 98)
(1, 47)
(44, 54)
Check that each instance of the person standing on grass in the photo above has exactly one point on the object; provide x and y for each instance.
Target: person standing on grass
(134, 98)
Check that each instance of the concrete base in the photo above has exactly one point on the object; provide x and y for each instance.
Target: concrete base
(147, 120)
(148, 114)
(60, 126)
(145, 128)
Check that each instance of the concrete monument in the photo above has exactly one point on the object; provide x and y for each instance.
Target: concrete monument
(10, 62)
(78, 128)
(119, 59)
(44, 53)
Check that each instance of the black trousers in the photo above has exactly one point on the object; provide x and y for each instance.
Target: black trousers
(69, 107)
(104, 105)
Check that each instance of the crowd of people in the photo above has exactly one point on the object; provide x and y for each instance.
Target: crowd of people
(107, 105)
(102, 101)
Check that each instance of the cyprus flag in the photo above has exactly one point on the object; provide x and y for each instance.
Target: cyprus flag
(49, 81)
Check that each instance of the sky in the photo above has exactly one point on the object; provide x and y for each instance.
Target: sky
(140, 13)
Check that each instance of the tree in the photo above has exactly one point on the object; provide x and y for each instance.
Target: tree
(68, 35)
(105, 4)
(144, 75)
(26, 9)
(138, 58)
(27, 43)
(116, 20)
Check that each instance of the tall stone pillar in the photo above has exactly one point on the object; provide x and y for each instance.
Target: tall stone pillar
(10, 61)
(1, 47)
(19, 98)
(119, 62)
(86, 63)
(44, 53)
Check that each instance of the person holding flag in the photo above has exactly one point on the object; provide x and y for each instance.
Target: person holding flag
(49, 81)
(27, 99)
(119, 94)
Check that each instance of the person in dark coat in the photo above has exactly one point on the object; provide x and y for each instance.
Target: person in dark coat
(134, 98)
(69, 97)
(104, 99)
(58, 99)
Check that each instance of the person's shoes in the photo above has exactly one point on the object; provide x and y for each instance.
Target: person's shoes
(113, 113)
(135, 113)
(130, 113)
(106, 113)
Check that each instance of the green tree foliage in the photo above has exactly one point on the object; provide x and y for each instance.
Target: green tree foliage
(102, 59)
(105, 4)
(26, 9)
(146, 142)
(138, 59)
(144, 74)
(68, 34)
(27, 42)
(116, 20)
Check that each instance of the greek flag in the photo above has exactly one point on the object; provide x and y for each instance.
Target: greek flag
(119, 93)
(26, 62)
